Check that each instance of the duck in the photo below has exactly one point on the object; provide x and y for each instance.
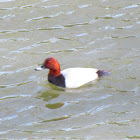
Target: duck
(70, 77)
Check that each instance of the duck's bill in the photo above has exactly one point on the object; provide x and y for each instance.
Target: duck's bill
(38, 69)
(41, 68)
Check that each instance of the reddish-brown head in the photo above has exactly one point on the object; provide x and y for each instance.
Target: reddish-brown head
(52, 64)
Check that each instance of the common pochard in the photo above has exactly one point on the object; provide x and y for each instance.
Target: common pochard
(71, 77)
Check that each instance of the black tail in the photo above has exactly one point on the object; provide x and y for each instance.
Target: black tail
(102, 73)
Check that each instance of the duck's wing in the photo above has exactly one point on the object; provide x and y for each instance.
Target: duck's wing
(76, 77)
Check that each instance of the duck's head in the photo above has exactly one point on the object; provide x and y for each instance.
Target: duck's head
(52, 64)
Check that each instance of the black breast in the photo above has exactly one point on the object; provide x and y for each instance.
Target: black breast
(57, 80)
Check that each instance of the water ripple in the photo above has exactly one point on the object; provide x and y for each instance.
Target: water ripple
(76, 24)
(14, 96)
(14, 39)
(50, 28)
(132, 6)
(7, 17)
(82, 34)
(11, 8)
(6, 0)
(15, 31)
(16, 71)
(50, 6)
(51, 16)
(26, 108)
(84, 6)
(45, 121)
(28, 6)
(114, 16)
(14, 85)
(97, 109)
(8, 118)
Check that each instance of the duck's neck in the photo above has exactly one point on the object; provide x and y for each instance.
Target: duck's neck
(55, 72)
(55, 69)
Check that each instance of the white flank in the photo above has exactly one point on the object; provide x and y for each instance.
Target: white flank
(76, 77)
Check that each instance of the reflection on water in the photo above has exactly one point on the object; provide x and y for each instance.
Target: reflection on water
(100, 34)
(48, 95)
(54, 106)
(57, 119)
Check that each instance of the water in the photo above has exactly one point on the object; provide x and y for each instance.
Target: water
(101, 34)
